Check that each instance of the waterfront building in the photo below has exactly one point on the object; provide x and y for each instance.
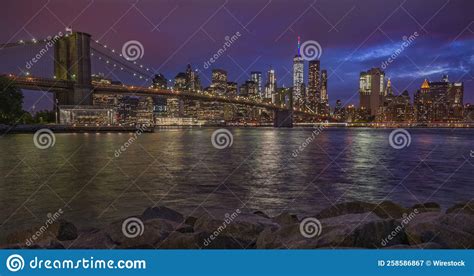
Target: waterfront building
(396, 108)
(440, 101)
(371, 90)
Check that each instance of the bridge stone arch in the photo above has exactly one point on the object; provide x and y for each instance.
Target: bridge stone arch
(72, 62)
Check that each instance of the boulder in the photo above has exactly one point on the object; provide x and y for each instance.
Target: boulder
(467, 208)
(154, 231)
(61, 230)
(162, 212)
(239, 229)
(385, 209)
(427, 207)
(378, 234)
(93, 239)
(285, 219)
(453, 230)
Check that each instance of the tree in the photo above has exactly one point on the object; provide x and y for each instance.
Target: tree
(11, 101)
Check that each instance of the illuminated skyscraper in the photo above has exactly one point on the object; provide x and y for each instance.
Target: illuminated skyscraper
(257, 78)
(371, 90)
(324, 93)
(298, 70)
(314, 85)
(219, 81)
(270, 87)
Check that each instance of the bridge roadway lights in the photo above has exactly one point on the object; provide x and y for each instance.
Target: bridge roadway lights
(283, 118)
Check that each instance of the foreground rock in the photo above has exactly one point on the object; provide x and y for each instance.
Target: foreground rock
(346, 225)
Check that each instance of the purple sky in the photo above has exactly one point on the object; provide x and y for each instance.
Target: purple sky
(355, 35)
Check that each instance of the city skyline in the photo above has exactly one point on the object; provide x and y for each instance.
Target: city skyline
(443, 46)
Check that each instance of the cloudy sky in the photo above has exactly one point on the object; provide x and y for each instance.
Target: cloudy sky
(354, 36)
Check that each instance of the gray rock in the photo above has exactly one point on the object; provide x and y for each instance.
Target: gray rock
(385, 209)
(96, 239)
(162, 212)
(154, 231)
(286, 219)
(378, 234)
(238, 229)
(453, 230)
(467, 208)
(66, 231)
(426, 207)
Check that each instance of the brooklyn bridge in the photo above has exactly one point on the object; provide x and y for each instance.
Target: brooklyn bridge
(72, 83)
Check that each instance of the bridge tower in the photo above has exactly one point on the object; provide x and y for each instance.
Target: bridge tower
(72, 61)
(284, 118)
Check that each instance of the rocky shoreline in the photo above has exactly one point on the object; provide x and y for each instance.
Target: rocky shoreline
(346, 225)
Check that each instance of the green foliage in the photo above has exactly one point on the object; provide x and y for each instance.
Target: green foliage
(11, 100)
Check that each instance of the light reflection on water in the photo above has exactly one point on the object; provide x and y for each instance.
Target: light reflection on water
(181, 169)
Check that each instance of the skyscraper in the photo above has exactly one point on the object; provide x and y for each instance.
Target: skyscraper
(219, 81)
(371, 90)
(324, 86)
(324, 92)
(257, 78)
(314, 85)
(298, 70)
(270, 87)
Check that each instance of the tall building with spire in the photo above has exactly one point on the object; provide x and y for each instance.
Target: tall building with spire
(298, 70)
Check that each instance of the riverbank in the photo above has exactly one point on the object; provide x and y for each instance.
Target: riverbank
(6, 129)
(346, 225)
